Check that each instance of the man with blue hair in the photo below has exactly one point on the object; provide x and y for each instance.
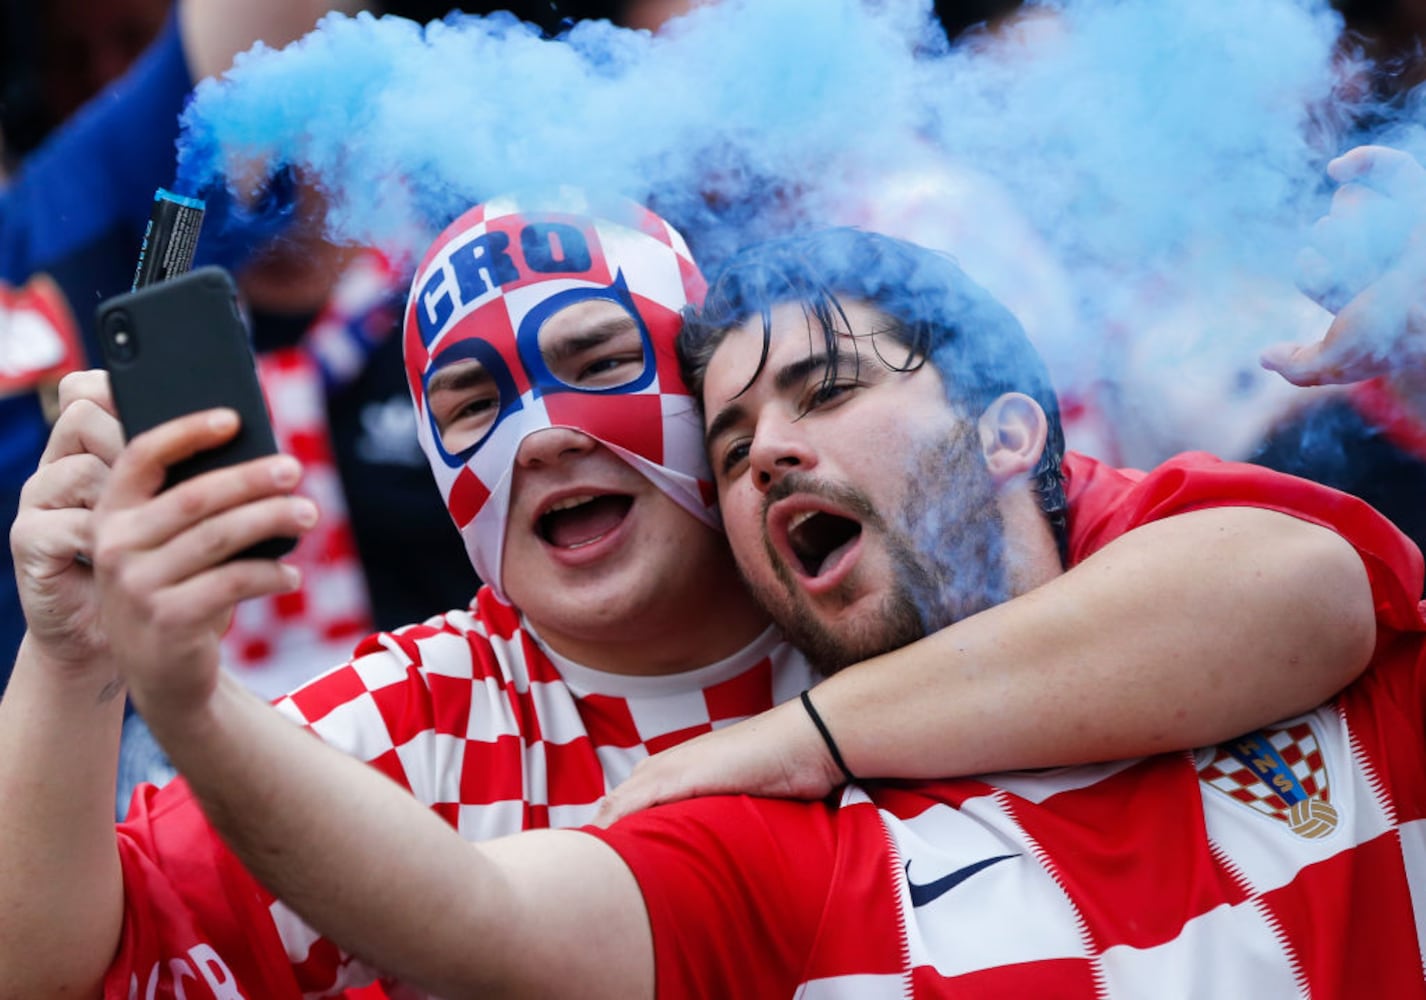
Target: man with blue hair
(847, 467)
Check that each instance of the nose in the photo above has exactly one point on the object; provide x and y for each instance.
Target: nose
(550, 445)
(779, 446)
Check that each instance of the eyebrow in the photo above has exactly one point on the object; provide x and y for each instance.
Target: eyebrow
(592, 336)
(798, 372)
(457, 377)
(727, 417)
(789, 376)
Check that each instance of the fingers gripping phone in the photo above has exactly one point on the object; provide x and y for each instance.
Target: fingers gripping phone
(179, 346)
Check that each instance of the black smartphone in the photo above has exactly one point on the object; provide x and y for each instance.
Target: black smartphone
(179, 346)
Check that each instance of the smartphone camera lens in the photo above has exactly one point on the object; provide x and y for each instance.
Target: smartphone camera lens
(123, 346)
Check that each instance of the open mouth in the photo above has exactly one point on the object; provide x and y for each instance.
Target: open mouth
(581, 520)
(818, 539)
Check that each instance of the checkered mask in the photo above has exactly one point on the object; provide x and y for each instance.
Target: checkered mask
(484, 292)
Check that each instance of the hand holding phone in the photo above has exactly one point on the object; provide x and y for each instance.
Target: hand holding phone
(180, 346)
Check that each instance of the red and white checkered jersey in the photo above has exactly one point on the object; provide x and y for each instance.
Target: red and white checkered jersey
(1288, 863)
(497, 733)
(1131, 880)
(479, 721)
(276, 643)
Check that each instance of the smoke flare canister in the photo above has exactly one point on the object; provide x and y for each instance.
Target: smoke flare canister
(170, 239)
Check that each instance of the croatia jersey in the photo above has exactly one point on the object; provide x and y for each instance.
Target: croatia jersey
(471, 713)
(1288, 863)
(1143, 879)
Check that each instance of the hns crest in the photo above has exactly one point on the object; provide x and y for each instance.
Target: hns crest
(1280, 773)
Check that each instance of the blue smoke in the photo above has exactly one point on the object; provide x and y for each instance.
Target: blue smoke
(1100, 166)
(405, 126)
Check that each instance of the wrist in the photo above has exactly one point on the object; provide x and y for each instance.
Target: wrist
(833, 764)
(177, 703)
(95, 677)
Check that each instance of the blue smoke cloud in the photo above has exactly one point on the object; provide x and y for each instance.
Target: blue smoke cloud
(1133, 177)
(406, 126)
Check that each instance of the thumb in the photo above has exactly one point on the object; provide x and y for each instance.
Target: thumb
(618, 804)
(1300, 364)
(607, 813)
(1358, 345)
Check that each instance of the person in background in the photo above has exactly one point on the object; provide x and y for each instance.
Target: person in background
(323, 319)
(587, 509)
(73, 216)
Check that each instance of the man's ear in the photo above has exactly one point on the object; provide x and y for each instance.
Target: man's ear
(1013, 430)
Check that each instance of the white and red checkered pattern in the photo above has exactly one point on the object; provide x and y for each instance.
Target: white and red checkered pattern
(491, 270)
(1130, 879)
(1165, 886)
(496, 735)
(471, 714)
(276, 643)
(1126, 880)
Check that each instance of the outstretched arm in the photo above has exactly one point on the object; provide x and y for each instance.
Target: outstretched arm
(1182, 632)
(349, 850)
(385, 878)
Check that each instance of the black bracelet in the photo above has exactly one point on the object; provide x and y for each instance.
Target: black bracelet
(827, 737)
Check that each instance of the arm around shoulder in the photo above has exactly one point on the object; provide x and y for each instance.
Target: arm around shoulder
(1183, 632)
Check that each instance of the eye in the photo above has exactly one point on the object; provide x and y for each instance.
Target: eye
(474, 408)
(735, 455)
(611, 371)
(594, 344)
(825, 394)
(464, 417)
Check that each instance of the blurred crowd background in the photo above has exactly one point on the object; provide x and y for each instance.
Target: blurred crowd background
(55, 55)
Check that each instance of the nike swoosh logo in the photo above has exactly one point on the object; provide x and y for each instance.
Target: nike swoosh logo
(932, 891)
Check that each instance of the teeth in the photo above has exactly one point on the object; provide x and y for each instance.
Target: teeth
(798, 520)
(569, 502)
